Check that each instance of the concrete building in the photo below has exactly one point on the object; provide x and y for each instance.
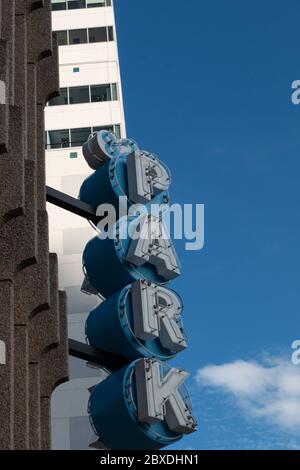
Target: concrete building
(33, 336)
(90, 99)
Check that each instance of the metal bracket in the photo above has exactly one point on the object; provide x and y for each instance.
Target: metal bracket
(76, 349)
(96, 356)
(71, 204)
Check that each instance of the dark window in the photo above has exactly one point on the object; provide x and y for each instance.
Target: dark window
(95, 3)
(114, 91)
(62, 38)
(103, 128)
(58, 139)
(74, 4)
(110, 33)
(61, 99)
(62, 139)
(97, 34)
(79, 94)
(79, 136)
(77, 36)
(117, 131)
(58, 5)
(100, 93)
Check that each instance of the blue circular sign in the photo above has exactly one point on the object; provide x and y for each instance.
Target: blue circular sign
(114, 415)
(110, 327)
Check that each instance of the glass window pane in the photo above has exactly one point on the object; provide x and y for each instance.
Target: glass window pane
(100, 93)
(46, 140)
(59, 139)
(110, 33)
(62, 38)
(108, 3)
(61, 99)
(95, 3)
(79, 136)
(77, 36)
(79, 94)
(97, 34)
(58, 5)
(103, 128)
(117, 131)
(114, 91)
(74, 4)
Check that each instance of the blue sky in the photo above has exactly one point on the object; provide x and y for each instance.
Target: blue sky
(207, 87)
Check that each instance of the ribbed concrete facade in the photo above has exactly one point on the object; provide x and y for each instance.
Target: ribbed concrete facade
(33, 325)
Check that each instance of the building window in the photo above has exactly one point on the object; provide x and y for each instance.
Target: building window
(117, 131)
(97, 3)
(76, 4)
(114, 92)
(79, 94)
(98, 34)
(67, 138)
(86, 94)
(61, 99)
(58, 5)
(84, 36)
(77, 36)
(58, 139)
(100, 93)
(110, 30)
(62, 38)
(102, 128)
(80, 136)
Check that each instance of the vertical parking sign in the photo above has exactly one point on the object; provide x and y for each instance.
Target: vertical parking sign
(145, 405)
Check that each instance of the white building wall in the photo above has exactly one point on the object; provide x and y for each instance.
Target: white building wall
(83, 115)
(66, 169)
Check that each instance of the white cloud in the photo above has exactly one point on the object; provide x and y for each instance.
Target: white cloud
(269, 390)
